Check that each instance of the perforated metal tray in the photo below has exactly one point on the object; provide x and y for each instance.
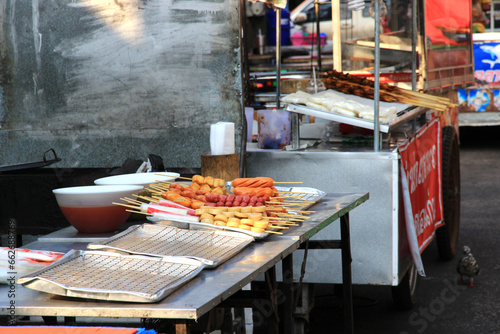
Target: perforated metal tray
(212, 248)
(112, 276)
(311, 195)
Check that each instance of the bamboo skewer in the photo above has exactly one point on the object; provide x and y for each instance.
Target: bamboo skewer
(294, 216)
(184, 178)
(269, 231)
(274, 226)
(154, 191)
(141, 212)
(286, 182)
(285, 204)
(161, 186)
(301, 211)
(393, 93)
(301, 202)
(427, 96)
(132, 201)
(286, 224)
(294, 197)
(147, 198)
(157, 187)
(129, 206)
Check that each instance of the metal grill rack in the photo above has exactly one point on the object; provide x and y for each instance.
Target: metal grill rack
(113, 276)
(210, 247)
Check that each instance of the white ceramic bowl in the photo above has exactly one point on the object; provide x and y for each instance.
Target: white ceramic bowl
(141, 179)
(90, 209)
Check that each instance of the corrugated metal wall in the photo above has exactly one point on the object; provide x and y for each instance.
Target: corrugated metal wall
(103, 80)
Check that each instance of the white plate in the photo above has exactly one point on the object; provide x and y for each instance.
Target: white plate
(142, 179)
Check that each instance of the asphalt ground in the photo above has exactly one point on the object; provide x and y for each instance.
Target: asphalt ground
(443, 305)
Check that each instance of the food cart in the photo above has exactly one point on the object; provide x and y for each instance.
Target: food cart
(428, 50)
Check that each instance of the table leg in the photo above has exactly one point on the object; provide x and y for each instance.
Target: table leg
(50, 320)
(273, 320)
(346, 273)
(182, 327)
(288, 292)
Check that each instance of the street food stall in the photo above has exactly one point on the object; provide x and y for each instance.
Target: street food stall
(103, 83)
(124, 79)
(383, 97)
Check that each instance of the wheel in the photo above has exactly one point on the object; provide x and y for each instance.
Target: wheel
(447, 235)
(405, 294)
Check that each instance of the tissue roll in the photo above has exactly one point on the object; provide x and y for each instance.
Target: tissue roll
(222, 138)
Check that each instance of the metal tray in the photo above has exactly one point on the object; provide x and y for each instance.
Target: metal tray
(312, 195)
(112, 276)
(211, 248)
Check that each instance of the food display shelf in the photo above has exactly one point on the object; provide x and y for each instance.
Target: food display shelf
(211, 248)
(310, 196)
(405, 114)
(112, 276)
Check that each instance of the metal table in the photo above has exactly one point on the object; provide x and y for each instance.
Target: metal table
(211, 287)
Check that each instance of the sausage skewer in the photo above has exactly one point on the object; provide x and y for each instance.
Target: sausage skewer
(256, 182)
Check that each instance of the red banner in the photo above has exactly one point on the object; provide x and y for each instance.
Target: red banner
(421, 161)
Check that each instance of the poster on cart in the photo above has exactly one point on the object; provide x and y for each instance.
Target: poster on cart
(421, 180)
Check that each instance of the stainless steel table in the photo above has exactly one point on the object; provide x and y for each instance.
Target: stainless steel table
(212, 286)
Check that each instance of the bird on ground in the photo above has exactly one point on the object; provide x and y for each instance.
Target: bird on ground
(468, 266)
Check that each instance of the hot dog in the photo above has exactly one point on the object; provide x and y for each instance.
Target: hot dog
(255, 182)
(248, 191)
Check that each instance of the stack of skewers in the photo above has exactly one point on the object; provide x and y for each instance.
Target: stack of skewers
(254, 204)
(363, 87)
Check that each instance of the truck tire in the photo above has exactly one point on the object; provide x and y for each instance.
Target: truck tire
(405, 294)
(447, 234)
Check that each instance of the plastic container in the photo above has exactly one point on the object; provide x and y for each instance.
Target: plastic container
(271, 27)
(274, 128)
(90, 209)
(299, 39)
(249, 112)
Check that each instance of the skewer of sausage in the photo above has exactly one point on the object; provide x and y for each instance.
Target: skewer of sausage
(253, 182)
(259, 192)
(256, 182)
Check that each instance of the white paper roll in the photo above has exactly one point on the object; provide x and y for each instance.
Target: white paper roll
(222, 138)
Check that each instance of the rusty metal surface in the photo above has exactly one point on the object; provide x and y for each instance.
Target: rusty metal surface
(103, 81)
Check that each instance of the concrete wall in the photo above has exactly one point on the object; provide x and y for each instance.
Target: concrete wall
(103, 80)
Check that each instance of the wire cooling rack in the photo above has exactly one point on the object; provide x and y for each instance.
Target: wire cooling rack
(210, 247)
(112, 276)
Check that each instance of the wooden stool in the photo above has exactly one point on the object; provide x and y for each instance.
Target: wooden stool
(226, 167)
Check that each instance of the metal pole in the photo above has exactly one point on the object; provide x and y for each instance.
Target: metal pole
(414, 36)
(278, 57)
(376, 96)
(318, 56)
(337, 44)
